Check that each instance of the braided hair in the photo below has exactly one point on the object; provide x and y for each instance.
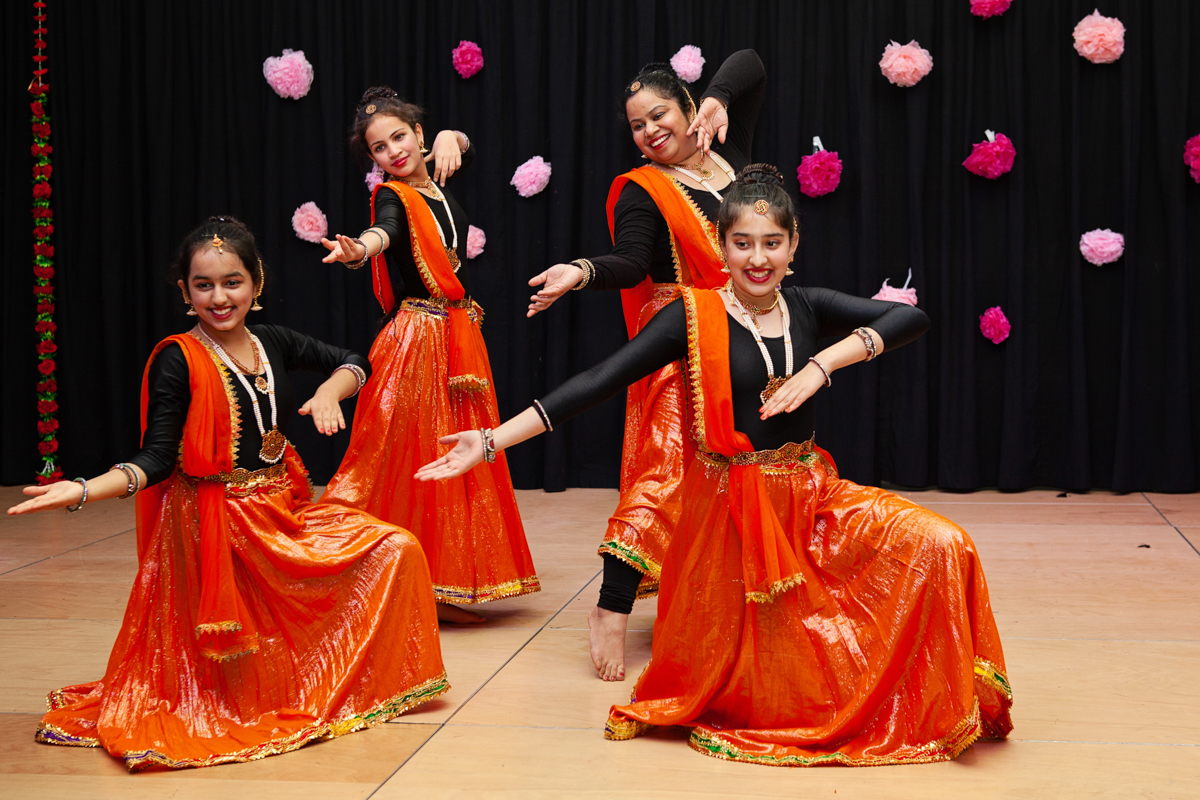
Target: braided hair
(379, 101)
(660, 78)
(233, 234)
(754, 183)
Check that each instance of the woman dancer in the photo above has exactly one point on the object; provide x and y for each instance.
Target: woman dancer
(802, 619)
(660, 217)
(259, 621)
(432, 374)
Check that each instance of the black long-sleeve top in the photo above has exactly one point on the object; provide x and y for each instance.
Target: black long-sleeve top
(391, 218)
(815, 314)
(641, 245)
(170, 394)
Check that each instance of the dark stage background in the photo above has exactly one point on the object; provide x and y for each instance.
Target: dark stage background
(161, 117)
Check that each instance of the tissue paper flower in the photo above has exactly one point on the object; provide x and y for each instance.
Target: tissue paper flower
(994, 325)
(1102, 246)
(475, 241)
(991, 159)
(309, 223)
(467, 58)
(819, 173)
(531, 177)
(890, 294)
(1100, 39)
(989, 8)
(1191, 156)
(375, 177)
(290, 74)
(905, 64)
(688, 63)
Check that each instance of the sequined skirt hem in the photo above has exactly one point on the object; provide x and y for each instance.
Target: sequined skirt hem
(469, 595)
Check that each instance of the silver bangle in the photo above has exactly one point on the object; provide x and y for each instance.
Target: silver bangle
(542, 413)
(76, 506)
(466, 139)
(820, 366)
(132, 481)
(359, 373)
(868, 342)
(378, 235)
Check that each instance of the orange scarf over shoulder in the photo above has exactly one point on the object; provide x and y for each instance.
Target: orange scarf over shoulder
(224, 628)
(769, 564)
(694, 240)
(467, 357)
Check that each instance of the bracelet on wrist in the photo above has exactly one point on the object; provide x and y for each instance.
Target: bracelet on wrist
(489, 445)
(359, 374)
(542, 413)
(589, 272)
(133, 482)
(76, 506)
(820, 366)
(466, 145)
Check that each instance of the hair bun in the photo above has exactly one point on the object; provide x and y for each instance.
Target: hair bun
(377, 93)
(760, 174)
(658, 66)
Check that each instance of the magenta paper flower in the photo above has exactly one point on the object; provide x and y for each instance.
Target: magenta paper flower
(993, 157)
(467, 58)
(688, 63)
(1100, 39)
(994, 325)
(819, 173)
(375, 177)
(989, 8)
(1102, 246)
(309, 223)
(531, 177)
(890, 294)
(290, 74)
(1191, 156)
(905, 64)
(475, 241)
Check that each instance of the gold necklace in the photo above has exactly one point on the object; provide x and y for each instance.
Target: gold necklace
(451, 247)
(260, 382)
(698, 168)
(774, 382)
(753, 309)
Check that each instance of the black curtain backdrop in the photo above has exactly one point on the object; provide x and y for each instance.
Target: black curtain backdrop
(161, 116)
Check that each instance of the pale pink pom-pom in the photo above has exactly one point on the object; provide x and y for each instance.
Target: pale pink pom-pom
(375, 177)
(309, 223)
(989, 8)
(890, 294)
(991, 159)
(1102, 246)
(688, 63)
(475, 241)
(905, 64)
(994, 325)
(467, 58)
(1191, 156)
(290, 74)
(819, 173)
(531, 177)
(1100, 39)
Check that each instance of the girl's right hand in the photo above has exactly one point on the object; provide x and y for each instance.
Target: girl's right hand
(466, 454)
(46, 498)
(344, 249)
(559, 280)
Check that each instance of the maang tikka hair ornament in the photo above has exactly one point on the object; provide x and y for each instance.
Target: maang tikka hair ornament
(218, 243)
(761, 207)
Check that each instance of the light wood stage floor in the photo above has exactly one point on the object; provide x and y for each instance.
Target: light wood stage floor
(1097, 598)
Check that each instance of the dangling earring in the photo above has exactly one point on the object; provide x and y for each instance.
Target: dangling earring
(790, 271)
(421, 144)
(724, 264)
(191, 312)
(262, 281)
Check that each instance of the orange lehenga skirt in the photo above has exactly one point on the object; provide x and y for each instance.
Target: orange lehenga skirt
(886, 653)
(347, 633)
(469, 527)
(654, 459)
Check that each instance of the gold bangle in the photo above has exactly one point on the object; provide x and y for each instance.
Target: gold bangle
(589, 272)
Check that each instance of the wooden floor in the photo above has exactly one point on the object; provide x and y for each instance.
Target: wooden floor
(1097, 598)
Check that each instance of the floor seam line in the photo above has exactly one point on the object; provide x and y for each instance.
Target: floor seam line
(64, 552)
(1172, 524)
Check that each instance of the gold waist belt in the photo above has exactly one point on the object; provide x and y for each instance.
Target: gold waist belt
(438, 307)
(241, 482)
(791, 455)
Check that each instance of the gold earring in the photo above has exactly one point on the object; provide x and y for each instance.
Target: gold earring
(790, 272)
(262, 281)
(191, 312)
(421, 145)
(725, 268)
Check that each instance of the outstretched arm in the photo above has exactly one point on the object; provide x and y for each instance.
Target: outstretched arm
(113, 483)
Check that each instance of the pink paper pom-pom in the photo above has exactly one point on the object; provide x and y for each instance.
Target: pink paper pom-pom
(1102, 246)
(992, 159)
(290, 74)
(531, 177)
(467, 58)
(994, 325)
(1191, 156)
(1100, 39)
(905, 64)
(375, 177)
(890, 294)
(475, 241)
(989, 8)
(819, 173)
(309, 223)
(688, 63)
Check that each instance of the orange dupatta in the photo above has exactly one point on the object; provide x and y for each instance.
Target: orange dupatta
(468, 363)
(224, 628)
(694, 243)
(769, 564)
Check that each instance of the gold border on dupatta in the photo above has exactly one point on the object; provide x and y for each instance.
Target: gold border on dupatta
(692, 366)
(469, 595)
(235, 413)
(422, 266)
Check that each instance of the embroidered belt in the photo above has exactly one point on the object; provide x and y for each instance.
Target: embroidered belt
(439, 307)
(785, 459)
(242, 482)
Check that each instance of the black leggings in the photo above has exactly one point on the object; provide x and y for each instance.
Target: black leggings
(618, 590)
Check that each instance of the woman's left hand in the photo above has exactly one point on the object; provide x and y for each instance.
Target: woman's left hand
(45, 498)
(326, 412)
(801, 386)
(467, 453)
(711, 122)
(446, 155)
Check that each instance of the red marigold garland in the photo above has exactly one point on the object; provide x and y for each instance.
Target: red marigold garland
(43, 259)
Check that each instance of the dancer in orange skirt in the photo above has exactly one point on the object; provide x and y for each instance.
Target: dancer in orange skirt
(259, 621)
(660, 217)
(802, 619)
(432, 374)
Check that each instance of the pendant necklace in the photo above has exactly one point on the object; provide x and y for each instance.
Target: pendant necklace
(260, 380)
(435, 194)
(751, 321)
(704, 175)
(273, 441)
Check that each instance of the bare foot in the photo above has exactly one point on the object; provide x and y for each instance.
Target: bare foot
(449, 613)
(608, 643)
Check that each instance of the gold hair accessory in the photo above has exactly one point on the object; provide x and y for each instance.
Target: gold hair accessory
(633, 87)
(262, 282)
(761, 207)
(370, 109)
(218, 243)
(191, 312)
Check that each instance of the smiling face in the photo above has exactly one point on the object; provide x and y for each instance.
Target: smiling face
(395, 146)
(220, 288)
(659, 127)
(758, 251)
